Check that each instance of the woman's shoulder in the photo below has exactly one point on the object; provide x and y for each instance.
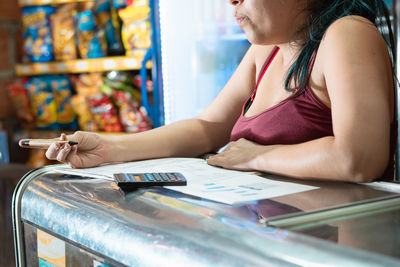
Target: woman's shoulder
(353, 37)
(354, 29)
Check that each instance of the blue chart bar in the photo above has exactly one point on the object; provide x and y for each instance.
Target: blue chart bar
(212, 187)
(216, 187)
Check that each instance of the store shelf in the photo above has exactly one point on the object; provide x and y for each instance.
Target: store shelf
(46, 2)
(80, 66)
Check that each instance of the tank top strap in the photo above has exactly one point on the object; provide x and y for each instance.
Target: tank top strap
(264, 68)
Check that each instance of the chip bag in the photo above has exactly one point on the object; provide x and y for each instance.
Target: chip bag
(82, 109)
(91, 41)
(38, 42)
(136, 28)
(20, 99)
(62, 91)
(63, 30)
(104, 113)
(43, 103)
(102, 12)
(133, 118)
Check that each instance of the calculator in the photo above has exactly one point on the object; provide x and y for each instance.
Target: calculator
(139, 180)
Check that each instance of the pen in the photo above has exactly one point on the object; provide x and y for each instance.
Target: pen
(44, 143)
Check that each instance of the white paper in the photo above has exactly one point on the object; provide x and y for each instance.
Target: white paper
(203, 180)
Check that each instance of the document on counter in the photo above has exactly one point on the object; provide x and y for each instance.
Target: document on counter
(203, 180)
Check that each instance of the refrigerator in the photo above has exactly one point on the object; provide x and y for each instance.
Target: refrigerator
(197, 46)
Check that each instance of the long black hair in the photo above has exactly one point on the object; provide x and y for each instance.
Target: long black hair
(322, 14)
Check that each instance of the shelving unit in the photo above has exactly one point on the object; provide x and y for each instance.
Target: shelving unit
(140, 62)
(46, 2)
(80, 66)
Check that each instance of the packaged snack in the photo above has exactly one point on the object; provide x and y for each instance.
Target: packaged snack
(120, 80)
(91, 42)
(20, 99)
(63, 30)
(133, 119)
(43, 104)
(89, 84)
(86, 5)
(136, 28)
(38, 43)
(102, 11)
(81, 107)
(118, 4)
(66, 116)
(104, 113)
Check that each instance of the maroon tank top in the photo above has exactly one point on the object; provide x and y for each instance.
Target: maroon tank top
(292, 121)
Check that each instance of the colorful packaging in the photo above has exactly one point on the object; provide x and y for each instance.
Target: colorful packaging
(118, 4)
(82, 109)
(119, 80)
(61, 88)
(43, 104)
(89, 84)
(20, 98)
(38, 43)
(104, 113)
(102, 13)
(91, 42)
(63, 30)
(133, 119)
(136, 28)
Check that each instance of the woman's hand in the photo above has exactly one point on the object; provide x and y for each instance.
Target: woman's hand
(91, 150)
(239, 155)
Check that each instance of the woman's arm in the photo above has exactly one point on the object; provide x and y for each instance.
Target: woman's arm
(358, 77)
(205, 133)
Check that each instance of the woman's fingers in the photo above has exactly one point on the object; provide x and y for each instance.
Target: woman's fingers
(52, 151)
(63, 137)
(63, 153)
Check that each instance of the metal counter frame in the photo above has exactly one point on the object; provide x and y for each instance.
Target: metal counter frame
(187, 232)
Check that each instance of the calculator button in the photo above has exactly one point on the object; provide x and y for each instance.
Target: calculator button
(157, 177)
(131, 177)
(171, 177)
(150, 177)
(164, 177)
(126, 177)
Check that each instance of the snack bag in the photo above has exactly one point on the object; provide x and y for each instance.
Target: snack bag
(104, 113)
(20, 99)
(89, 84)
(136, 28)
(63, 30)
(43, 104)
(38, 43)
(120, 80)
(118, 4)
(102, 13)
(66, 116)
(81, 107)
(85, 5)
(91, 42)
(133, 119)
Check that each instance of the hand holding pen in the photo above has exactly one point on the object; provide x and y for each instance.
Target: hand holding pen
(79, 150)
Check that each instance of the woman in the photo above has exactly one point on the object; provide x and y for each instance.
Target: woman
(321, 108)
